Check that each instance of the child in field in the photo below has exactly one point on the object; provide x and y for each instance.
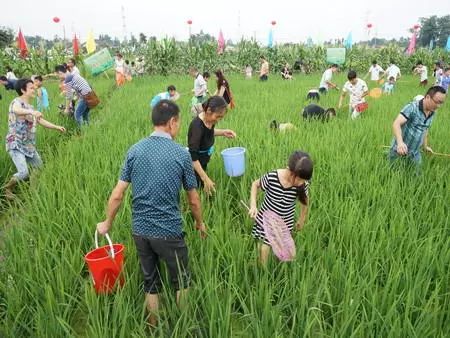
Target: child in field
(445, 79)
(127, 71)
(358, 90)
(282, 188)
(423, 72)
(316, 112)
(282, 127)
(388, 87)
(248, 71)
(170, 94)
(201, 136)
(313, 94)
(42, 103)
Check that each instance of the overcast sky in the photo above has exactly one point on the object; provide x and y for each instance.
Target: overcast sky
(296, 19)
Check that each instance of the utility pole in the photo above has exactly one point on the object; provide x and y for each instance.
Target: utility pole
(124, 25)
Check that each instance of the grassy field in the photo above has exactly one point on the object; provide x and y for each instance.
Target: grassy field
(372, 260)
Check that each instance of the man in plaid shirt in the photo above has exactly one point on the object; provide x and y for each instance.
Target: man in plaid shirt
(411, 126)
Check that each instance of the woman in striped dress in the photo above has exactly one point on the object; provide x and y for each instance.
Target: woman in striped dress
(282, 188)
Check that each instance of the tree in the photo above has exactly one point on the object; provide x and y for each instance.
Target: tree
(6, 37)
(434, 28)
(142, 38)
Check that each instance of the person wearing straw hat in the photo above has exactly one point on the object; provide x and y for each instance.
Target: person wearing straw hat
(411, 126)
(157, 169)
(282, 188)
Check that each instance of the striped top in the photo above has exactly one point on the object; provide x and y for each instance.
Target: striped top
(278, 199)
(78, 84)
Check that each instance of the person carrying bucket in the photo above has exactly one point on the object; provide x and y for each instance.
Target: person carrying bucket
(282, 188)
(156, 216)
(201, 137)
(358, 90)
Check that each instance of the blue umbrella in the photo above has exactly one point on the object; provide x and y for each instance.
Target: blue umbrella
(447, 48)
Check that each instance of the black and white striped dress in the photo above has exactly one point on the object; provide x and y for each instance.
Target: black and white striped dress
(277, 199)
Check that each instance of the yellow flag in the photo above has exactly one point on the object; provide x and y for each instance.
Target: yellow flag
(90, 43)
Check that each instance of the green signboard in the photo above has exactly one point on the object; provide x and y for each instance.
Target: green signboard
(99, 62)
(336, 55)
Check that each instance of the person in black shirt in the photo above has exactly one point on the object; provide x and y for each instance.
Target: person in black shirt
(201, 136)
(314, 111)
(223, 87)
(9, 84)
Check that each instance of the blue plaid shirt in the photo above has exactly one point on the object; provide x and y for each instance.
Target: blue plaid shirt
(157, 169)
(413, 131)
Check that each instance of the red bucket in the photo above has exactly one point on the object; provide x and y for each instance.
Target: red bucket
(105, 265)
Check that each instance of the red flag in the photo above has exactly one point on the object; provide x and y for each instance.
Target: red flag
(76, 45)
(220, 43)
(412, 44)
(22, 44)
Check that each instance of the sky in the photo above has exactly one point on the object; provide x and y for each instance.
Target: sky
(296, 20)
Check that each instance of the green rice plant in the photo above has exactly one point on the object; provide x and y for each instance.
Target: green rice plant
(372, 260)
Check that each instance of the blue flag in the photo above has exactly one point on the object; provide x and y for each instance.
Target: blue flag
(348, 41)
(430, 47)
(270, 41)
(447, 48)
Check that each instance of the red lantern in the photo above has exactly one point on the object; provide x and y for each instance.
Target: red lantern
(55, 19)
(416, 26)
(273, 23)
(369, 25)
(189, 22)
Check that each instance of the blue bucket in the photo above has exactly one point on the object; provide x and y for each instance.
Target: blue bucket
(234, 160)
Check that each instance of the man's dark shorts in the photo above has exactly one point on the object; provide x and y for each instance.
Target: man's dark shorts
(263, 78)
(173, 252)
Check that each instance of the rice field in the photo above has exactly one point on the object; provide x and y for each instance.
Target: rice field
(373, 259)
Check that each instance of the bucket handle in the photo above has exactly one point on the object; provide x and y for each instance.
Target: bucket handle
(109, 242)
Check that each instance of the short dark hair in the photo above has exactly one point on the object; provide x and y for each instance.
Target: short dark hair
(21, 84)
(392, 61)
(61, 68)
(73, 61)
(334, 65)
(39, 78)
(435, 89)
(127, 62)
(171, 87)
(163, 112)
(206, 74)
(351, 75)
(374, 62)
(274, 125)
(3, 78)
(391, 78)
(8, 69)
(330, 112)
(419, 63)
(262, 57)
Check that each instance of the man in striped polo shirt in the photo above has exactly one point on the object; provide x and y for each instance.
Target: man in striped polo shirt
(411, 126)
(81, 87)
